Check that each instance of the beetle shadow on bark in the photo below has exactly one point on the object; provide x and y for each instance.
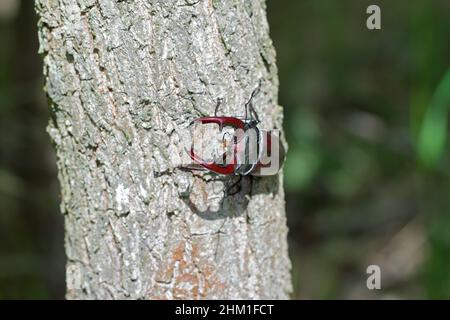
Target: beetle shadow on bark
(234, 204)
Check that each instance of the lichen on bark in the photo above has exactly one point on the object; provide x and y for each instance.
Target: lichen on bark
(122, 77)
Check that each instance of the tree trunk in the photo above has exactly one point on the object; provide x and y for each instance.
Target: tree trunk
(122, 77)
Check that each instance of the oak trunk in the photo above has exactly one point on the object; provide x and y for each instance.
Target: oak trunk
(122, 77)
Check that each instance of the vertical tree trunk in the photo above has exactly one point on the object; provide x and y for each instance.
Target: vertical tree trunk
(122, 77)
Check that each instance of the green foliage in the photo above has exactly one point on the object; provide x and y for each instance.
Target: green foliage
(365, 113)
(434, 131)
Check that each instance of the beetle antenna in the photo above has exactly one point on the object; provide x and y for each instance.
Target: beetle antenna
(249, 105)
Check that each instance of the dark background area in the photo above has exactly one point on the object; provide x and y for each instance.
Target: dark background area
(31, 227)
(367, 173)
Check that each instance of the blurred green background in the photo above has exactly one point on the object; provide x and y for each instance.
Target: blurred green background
(366, 177)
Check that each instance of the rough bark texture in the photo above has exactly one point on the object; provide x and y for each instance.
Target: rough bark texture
(121, 77)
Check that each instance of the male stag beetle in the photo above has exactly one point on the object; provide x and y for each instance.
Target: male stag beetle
(245, 149)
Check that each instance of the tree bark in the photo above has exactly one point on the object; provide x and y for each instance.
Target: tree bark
(122, 77)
